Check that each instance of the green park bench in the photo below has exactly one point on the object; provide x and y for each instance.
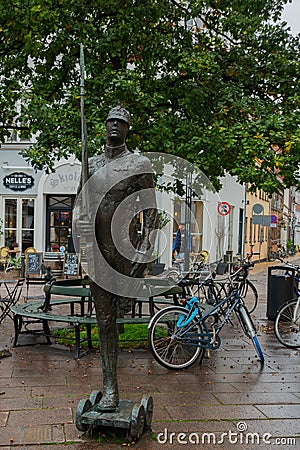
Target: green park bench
(77, 291)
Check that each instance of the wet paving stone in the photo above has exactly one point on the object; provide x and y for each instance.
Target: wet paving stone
(281, 411)
(40, 387)
(223, 412)
(41, 416)
(3, 419)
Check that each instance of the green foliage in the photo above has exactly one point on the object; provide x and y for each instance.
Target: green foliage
(163, 219)
(134, 336)
(289, 244)
(222, 91)
(15, 262)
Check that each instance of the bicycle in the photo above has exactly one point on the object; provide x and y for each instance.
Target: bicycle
(276, 251)
(179, 335)
(213, 290)
(287, 319)
(251, 253)
(246, 288)
(176, 273)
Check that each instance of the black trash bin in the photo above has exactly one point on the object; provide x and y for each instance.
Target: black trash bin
(281, 281)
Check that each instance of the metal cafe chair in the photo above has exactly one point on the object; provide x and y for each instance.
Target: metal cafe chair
(10, 297)
(4, 254)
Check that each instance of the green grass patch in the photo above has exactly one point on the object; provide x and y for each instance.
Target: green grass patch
(134, 336)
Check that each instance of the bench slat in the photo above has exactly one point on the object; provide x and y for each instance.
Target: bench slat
(71, 291)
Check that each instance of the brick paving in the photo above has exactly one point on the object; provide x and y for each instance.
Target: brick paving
(41, 385)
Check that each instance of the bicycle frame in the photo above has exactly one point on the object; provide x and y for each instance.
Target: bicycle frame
(198, 326)
(211, 340)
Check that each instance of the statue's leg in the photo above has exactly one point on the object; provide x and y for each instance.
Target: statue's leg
(106, 307)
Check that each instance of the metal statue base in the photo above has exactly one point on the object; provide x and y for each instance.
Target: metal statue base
(133, 417)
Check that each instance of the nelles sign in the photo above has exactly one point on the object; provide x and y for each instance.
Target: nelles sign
(18, 181)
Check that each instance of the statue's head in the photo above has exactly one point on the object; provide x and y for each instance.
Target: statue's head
(119, 113)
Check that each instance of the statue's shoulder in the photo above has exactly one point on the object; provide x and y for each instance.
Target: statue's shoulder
(142, 161)
(95, 163)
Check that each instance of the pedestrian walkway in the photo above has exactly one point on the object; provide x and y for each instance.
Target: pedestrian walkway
(227, 402)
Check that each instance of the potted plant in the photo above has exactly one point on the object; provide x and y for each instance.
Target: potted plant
(14, 265)
(157, 267)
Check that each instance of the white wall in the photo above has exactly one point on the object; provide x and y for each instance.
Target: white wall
(233, 193)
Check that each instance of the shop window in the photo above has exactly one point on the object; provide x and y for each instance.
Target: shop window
(19, 223)
(27, 223)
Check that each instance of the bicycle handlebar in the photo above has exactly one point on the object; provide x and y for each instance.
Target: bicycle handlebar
(287, 263)
(185, 282)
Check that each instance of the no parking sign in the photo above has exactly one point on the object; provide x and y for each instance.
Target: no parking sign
(274, 221)
(224, 208)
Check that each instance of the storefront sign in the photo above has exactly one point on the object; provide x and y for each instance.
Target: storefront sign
(71, 265)
(64, 180)
(33, 263)
(18, 181)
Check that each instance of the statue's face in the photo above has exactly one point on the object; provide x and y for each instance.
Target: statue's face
(116, 130)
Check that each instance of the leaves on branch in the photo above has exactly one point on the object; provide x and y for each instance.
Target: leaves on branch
(215, 82)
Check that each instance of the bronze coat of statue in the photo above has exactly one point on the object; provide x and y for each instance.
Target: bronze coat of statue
(118, 159)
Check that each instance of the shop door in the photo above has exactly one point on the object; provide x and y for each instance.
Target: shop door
(59, 223)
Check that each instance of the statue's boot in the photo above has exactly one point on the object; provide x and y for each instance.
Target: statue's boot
(110, 399)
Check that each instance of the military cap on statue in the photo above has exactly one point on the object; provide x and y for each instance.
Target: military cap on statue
(119, 113)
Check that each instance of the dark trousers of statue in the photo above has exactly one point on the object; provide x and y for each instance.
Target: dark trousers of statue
(106, 312)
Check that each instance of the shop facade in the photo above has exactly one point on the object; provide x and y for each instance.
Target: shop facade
(36, 208)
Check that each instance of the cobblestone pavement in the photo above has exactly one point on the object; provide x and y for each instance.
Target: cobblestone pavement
(227, 402)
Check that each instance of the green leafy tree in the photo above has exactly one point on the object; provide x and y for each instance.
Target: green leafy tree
(215, 82)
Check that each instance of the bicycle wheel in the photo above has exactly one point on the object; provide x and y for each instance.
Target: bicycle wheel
(249, 330)
(211, 292)
(174, 347)
(249, 294)
(287, 324)
(173, 274)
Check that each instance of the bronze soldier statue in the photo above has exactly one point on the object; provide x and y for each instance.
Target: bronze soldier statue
(136, 176)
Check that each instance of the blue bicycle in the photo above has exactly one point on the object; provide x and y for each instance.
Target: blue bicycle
(179, 335)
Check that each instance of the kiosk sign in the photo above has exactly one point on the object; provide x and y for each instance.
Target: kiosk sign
(18, 181)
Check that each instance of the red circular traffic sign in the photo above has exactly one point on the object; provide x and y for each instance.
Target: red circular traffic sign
(224, 208)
